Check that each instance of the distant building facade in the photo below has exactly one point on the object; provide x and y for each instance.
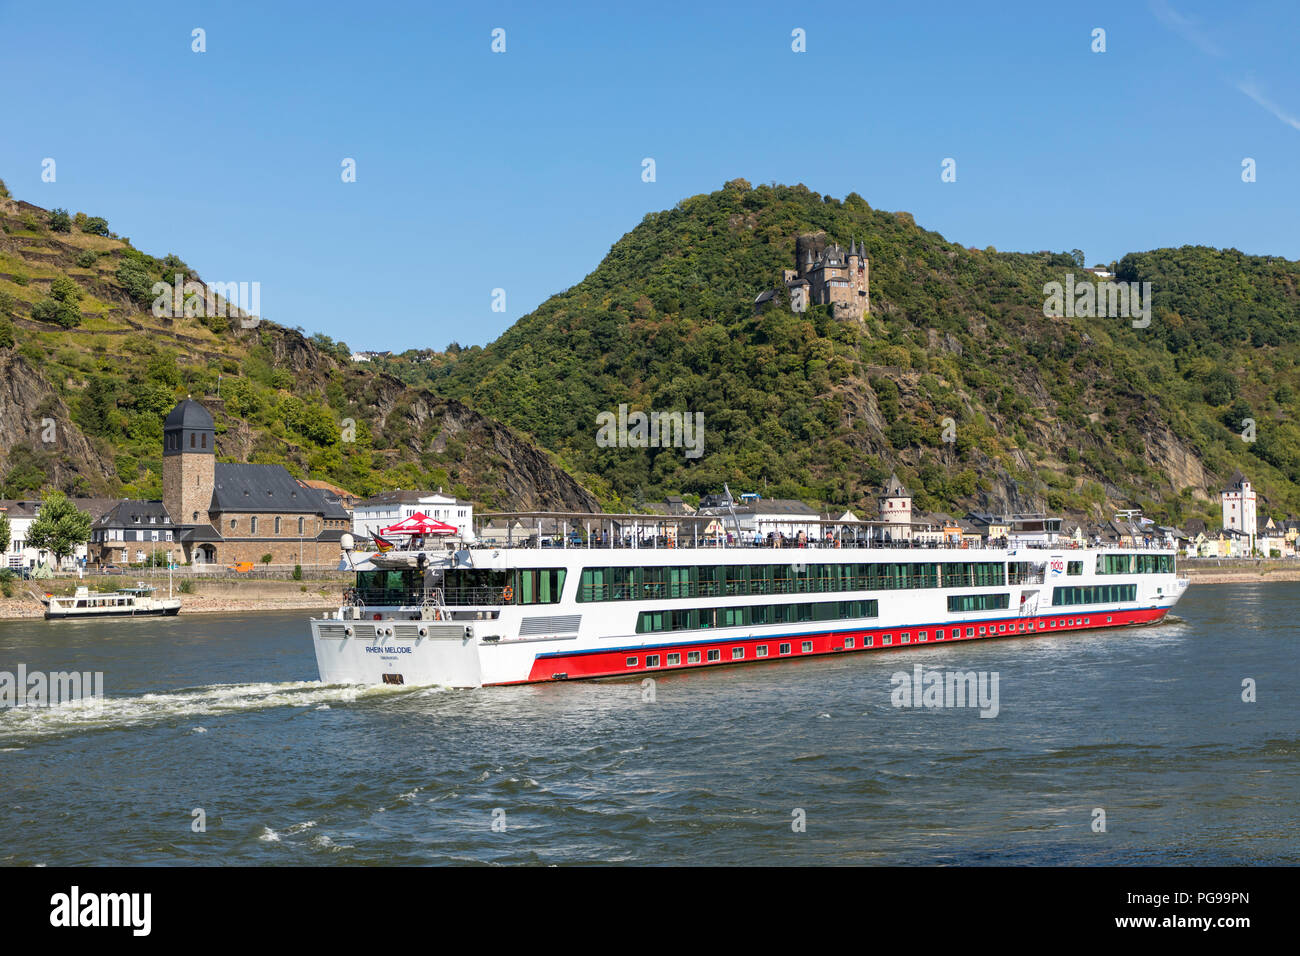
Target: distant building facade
(389, 507)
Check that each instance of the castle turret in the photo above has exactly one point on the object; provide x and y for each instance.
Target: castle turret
(189, 460)
(896, 509)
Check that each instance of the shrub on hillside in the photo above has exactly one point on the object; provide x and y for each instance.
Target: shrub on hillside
(60, 221)
(6, 333)
(87, 259)
(65, 290)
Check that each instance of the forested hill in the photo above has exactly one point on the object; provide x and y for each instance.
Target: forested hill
(1075, 414)
(88, 372)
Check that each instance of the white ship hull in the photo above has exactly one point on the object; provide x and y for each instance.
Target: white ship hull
(502, 641)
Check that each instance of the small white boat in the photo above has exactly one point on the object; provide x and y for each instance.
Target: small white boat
(133, 602)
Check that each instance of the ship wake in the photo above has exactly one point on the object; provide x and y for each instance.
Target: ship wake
(19, 725)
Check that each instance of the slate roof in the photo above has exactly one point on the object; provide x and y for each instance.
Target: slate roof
(894, 488)
(252, 488)
(400, 497)
(188, 414)
(198, 532)
(780, 506)
(125, 514)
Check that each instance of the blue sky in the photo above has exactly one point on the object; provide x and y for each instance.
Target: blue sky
(518, 170)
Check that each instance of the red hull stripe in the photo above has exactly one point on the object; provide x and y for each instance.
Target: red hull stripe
(614, 661)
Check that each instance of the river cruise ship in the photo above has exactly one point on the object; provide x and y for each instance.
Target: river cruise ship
(481, 615)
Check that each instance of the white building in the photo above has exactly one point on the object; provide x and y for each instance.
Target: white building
(1239, 508)
(21, 514)
(390, 507)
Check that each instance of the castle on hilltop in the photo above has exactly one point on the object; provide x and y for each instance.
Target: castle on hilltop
(825, 274)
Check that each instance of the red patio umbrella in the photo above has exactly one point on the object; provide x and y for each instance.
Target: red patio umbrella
(420, 524)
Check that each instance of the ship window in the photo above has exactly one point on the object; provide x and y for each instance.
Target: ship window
(783, 649)
(761, 651)
(1107, 618)
(674, 659)
(921, 636)
(869, 642)
(737, 653)
(982, 632)
(849, 642)
(889, 639)
(715, 655)
(906, 637)
(631, 662)
(652, 660)
(807, 646)
(692, 657)
(970, 632)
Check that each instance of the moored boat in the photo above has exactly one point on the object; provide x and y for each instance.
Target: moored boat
(127, 602)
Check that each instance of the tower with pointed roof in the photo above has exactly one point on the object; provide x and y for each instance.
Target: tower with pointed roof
(1238, 501)
(895, 503)
(189, 461)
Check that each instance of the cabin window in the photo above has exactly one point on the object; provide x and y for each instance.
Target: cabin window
(692, 657)
(761, 651)
(906, 637)
(674, 659)
(849, 643)
(783, 649)
(715, 655)
(982, 631)
(631, 662)
(889, 639)
(970, 632)
(652, 660)
(807, 647)
(737, 653)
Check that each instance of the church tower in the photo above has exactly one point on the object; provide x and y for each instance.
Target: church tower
(189, 463)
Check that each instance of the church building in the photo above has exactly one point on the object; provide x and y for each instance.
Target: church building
(224, 513)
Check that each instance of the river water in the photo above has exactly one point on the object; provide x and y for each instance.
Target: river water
(805, 762)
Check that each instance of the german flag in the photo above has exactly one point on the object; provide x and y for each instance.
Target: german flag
(383, 545)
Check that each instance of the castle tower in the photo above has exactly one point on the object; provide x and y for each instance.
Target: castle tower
(1239, 507)
(189, 462)
(896, 510)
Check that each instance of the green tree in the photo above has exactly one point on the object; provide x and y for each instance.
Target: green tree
(59, 526)
(60, 221)
(7, 338)
(4, 533)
